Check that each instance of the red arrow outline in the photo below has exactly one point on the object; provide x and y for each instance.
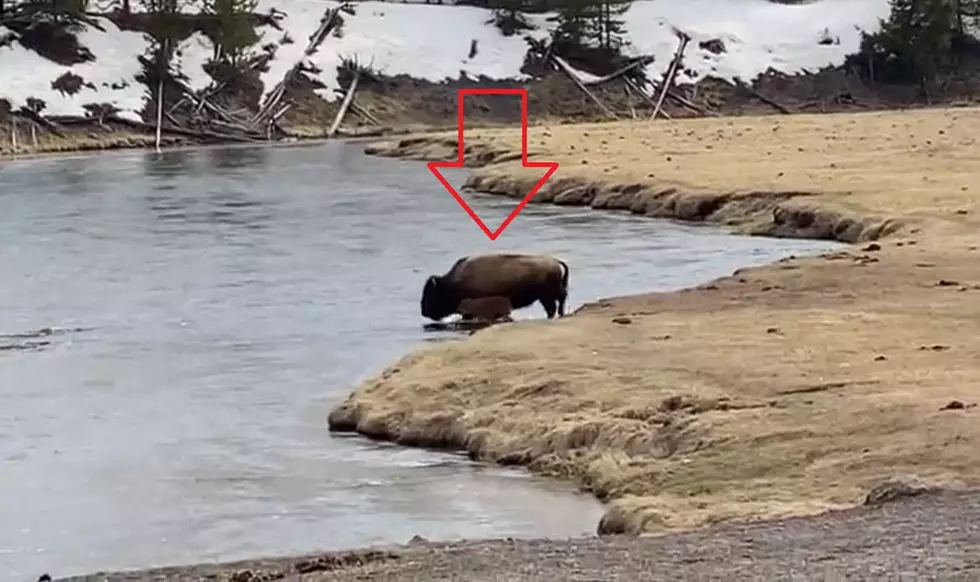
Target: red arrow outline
(552, 166)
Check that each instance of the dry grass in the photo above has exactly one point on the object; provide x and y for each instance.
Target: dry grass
(915, 164)
(76, 141)
(786, 389)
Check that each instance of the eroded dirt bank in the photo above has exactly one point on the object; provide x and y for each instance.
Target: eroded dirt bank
(781, 390)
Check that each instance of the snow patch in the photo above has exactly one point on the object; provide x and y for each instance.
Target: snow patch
(194, 53)
(757, 34)
(26, 74)
(430, 42)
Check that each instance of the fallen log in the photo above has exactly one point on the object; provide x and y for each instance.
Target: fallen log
(565, 68)
(671, 72)
(358, 109)
(327, 23)
(196, 134)
(739, 84)
(674, 96)
(368, 132)
(621, 72)
(345, 104)
(630, 84)
(629, 100)
(38, 119)
(364, 113)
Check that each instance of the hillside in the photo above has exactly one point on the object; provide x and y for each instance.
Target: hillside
(415, 56)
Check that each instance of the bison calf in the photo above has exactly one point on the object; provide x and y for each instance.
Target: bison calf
(489, 309)
(520, 278)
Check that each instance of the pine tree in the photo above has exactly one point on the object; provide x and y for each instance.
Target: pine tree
(594, 22)
(918, 33)
(236, 31)
(613, 25)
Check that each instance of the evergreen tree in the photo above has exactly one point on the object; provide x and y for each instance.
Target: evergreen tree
(967, 13)
(235, 34)
(592, 22)
(165, 30)
(917, 35)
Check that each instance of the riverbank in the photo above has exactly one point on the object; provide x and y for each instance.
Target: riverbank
(882, 542)
(787, 389)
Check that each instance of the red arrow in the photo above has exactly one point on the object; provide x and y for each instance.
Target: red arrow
(552, 166)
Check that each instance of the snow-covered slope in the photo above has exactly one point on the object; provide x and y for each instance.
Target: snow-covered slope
(424, 41)
(433, 42)
(24, 73)
(757, 34)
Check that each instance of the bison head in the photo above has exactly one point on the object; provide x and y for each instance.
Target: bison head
(437, 299)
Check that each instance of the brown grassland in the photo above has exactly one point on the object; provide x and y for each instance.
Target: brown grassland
(786, 389)
(80, 140)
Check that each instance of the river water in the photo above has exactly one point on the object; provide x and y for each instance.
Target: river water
(208, 307)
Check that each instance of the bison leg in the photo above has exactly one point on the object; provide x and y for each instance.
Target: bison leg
(561, 304)
(550, 306)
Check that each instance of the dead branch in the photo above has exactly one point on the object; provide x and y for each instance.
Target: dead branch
(327, 23)
(768, 101)
(38, 119)
(364, 113)
(622, 71)
(571, 75)
(367, 132)
(629, 83)
(197, 134)
(671, 73)
(629, 100)
(345, 104)
(676, 97)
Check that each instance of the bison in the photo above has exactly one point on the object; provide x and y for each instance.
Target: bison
(521, 278)
(489, 309)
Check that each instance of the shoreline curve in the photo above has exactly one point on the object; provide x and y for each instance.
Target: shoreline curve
(720, 401)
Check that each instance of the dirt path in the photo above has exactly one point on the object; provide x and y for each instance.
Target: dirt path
(782, 390)
(927, 538)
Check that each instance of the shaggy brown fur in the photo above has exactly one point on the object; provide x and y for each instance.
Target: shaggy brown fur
(490, 309)
(521, 278)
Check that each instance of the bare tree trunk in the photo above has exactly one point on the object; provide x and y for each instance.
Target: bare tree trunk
(344, 105)
(670, 74)
(159, 113)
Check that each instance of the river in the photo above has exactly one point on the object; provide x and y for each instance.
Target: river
(207, 308)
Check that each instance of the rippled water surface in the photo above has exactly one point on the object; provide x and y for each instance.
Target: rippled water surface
(208, 307)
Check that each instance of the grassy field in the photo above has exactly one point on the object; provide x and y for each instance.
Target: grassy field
(786, 389)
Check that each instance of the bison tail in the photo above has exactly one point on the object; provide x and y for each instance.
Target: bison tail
(564, 274)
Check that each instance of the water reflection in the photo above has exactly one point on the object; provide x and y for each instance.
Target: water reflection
(237, 157)
(167, 165)
(212, 194)
(73, 176)
(233, 205)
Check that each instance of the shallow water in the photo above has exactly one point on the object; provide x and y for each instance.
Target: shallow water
(209, 306)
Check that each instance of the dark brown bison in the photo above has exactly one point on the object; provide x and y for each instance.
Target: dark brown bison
(521, 278)
(489, 309)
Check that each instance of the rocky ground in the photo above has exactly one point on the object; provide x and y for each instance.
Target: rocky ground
(926, 537)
